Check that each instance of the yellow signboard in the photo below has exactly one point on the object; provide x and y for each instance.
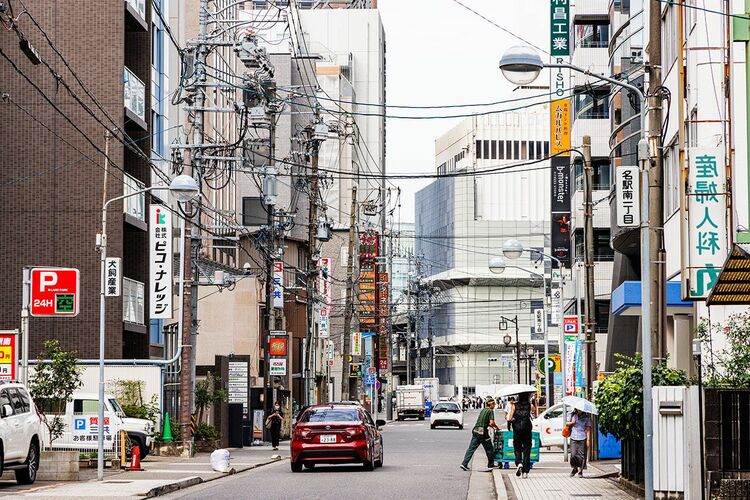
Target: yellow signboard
(559, 128)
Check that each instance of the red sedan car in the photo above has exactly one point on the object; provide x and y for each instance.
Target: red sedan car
(335, 434)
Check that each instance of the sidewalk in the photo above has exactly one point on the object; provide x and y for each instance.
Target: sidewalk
(162, 475)
(550, 478)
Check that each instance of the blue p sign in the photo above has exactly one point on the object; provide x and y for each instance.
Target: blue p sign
(79, 424)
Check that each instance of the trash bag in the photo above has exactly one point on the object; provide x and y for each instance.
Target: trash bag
(220, 461)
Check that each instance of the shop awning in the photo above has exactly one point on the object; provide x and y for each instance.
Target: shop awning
(733, 284)
(626, 299)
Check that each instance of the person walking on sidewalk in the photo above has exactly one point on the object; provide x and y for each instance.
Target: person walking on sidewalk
(274, 423)
(480, 434)
(580, 437)
(520, 416)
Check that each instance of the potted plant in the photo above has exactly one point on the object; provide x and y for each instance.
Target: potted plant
(83, 460)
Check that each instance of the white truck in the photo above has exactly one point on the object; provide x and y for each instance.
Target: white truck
(431, 386)
(409, 401)
(81, 425)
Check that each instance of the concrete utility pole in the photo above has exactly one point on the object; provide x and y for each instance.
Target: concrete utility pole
(590, 324)
(408, 321)
(270, 261)
(588, 217)
(430, 335)
(312, 274)
(345, 346)
(657, 252)
(190, 320)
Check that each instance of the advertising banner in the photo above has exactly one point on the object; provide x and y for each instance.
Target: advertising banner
(8, 354)
(160, 262)
(278, 284)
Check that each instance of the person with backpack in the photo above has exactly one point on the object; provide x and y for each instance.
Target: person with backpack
(480, 434)
(520, 416)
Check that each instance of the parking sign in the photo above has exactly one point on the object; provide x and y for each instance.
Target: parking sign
(54, 291)
(570, 324)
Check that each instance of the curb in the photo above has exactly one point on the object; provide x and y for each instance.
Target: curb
(195, 480)
(500, 492)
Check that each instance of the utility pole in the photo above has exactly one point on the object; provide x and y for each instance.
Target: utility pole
(408, 321)
(312, 273)
(190, 314)
(349, 305)
(588, 217)
(590, 324)
(430, 334)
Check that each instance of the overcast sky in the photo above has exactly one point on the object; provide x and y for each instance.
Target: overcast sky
(437, 53)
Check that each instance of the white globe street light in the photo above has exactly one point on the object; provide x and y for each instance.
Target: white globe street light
(521, 65)
(512, 249)
(497, 265)
(184, 188)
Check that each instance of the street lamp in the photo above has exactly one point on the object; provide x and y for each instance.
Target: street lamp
(522, 65)
(185, 189)
(497, 265)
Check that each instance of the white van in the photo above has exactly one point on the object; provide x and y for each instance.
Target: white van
(81, 425)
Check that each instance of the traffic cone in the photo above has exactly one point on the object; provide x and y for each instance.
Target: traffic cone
(166, 436)
(135, 459)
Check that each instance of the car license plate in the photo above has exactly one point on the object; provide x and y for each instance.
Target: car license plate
(328, 438)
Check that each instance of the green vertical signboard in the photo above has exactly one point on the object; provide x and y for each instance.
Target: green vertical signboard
(559, 28)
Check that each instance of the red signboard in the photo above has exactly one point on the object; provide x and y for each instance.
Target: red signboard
(570, 324)
(8, 355)
(54, 291)
(278, 346)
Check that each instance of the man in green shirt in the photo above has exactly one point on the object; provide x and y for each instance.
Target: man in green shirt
(480, 434)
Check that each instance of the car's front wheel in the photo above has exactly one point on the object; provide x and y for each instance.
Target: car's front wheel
(27, 475)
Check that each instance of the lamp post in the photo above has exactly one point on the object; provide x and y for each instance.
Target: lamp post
(507, 340)
(522, 65)
(185, 189)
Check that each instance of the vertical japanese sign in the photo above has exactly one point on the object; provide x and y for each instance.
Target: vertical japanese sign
(160, 262)
(570, 364)
(539, 320)
(628, 196)
(278, 284)
(325, 289)
(8, 354)
(559, 28)
(707, 238)
(113, 276)
(560, 132)
(356, 344)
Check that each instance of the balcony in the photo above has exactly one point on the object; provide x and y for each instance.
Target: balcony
(133, 300)
(592, 56)
(135, 20)
(134, 207)
(134, 99)
(591, 9)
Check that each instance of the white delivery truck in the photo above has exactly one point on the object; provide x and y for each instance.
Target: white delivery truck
(409, 401)
(431, 386)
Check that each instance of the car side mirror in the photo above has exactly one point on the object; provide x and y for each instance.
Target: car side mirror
(380, 423)
(7, 410)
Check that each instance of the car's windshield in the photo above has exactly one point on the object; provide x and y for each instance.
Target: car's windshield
(116, 407)
(330, 415)
(451, 407)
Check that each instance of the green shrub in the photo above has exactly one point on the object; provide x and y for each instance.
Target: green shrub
(729, 367)
(206, 432)
(619, 397)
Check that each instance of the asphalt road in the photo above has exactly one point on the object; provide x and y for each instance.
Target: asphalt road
(419, 463)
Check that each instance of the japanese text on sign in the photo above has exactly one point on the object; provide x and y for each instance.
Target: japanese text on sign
(559, 28)
(160, 262)
(112, 276)
(628, 196)
(8, 354)
(278, 284)
(706, 220)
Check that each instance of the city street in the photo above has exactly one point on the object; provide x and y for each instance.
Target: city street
(419, 463)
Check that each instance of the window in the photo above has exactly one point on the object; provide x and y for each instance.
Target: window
(546, 149)
(669, 41)
(24, 400)
(478, 152)
(15, 402)
(156, 331)
(602, 250)
(85, 406)
(508, 152)
(368, 418)
(591, 104)
(516, 150)
(539, 152)
(591, 35)
(500, 150)
(524, 150)
(486, 150)
(331, 415)
(600, 176)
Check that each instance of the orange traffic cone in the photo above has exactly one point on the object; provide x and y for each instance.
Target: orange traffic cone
(135, 459)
